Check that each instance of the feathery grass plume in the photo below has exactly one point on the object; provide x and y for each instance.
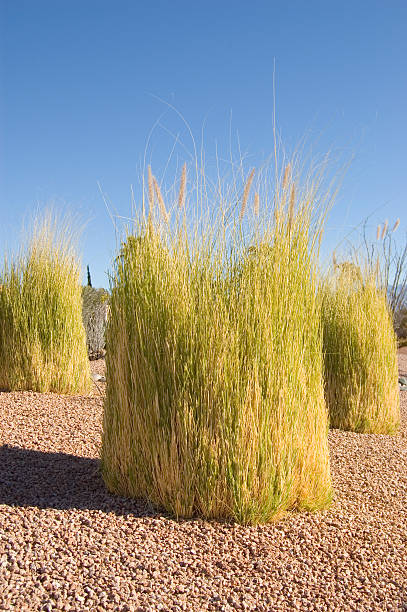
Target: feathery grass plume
(160, 199)
(384, 230)
(256, 204)
(181, 195)
(246, 193)
(378, 232)
(150, 191)
(42, 338)
(215, 400)
(395, 226)
(287, 176)
(360, 353)
(291, 206)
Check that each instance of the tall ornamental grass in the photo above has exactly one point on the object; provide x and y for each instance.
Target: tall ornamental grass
(215, 400)
(360, 352)
(42, 338)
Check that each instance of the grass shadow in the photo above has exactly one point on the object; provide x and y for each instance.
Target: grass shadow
(62, 482)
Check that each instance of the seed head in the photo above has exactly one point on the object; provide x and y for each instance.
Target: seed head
(256, 205)
(287, 174)
(150, 190)
(246, 193)
(181, 195)
(384, 230)
(160, 199)
(396, 225)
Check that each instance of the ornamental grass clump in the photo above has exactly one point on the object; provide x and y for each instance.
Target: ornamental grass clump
(360, 352)
(215, 401)
(42, 338)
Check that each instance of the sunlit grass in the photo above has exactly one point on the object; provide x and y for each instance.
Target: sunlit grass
(360, 348)
(215, 399)
(42, 338)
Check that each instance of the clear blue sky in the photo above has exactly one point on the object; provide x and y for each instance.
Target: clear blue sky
(79, 81)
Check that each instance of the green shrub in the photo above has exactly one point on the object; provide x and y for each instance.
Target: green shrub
(95, 303)
(215, 402)
(42, 339)
(360, 352)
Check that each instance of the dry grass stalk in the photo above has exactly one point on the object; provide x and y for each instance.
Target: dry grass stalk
(385, 226)
(160, 199)
(378, 232)
(287, 175)
(181, 195)
(246, 193)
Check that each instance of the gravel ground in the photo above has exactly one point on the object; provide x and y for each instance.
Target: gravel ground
(66, 544)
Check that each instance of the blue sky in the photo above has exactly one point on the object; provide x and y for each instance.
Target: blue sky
(81, 83)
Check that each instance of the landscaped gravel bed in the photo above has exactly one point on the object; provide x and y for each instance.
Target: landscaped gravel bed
(66, 544)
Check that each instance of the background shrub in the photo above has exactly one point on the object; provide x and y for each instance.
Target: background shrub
(95, 305)
(400, 322)
(42, 338)
(389, 260)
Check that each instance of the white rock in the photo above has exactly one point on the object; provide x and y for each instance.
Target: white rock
(98, 378)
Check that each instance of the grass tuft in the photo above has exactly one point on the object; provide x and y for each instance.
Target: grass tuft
(360, 351)
(215, 400)
(42, 338)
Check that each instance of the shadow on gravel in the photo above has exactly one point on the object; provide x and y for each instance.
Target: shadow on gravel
(60, 481)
